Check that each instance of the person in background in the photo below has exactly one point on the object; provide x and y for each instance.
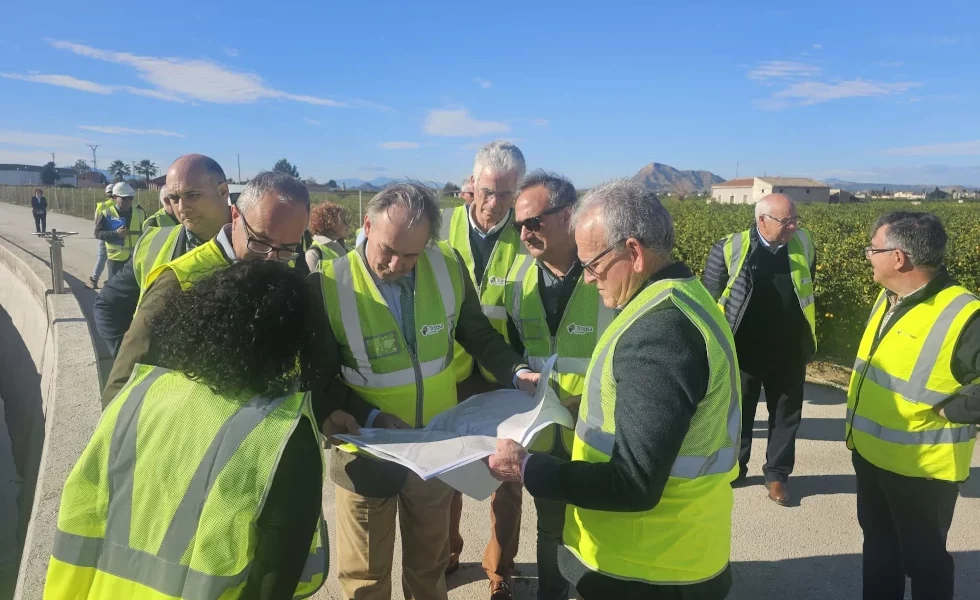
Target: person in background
(466, 191)
(763, 280)
(120, 226)
(198, 196)
(398, 301)
(224, 441)
(328, 224)
(648, 487)
(165, 217)
(480, 233)
(912, 409)
(552, 310)
(102, 258)
(39, 208)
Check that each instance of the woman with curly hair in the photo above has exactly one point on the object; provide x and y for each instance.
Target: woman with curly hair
(204, 479)
(328, 224)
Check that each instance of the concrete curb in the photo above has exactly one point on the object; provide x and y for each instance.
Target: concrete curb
(54, 331)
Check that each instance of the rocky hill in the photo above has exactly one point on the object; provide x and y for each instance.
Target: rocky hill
(666, 179)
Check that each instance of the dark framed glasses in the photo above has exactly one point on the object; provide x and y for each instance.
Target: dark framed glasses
(534, 223)
(257, 246)
(591, 265)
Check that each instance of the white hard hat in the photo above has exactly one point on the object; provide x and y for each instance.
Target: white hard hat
(108, 189)
(123, 190)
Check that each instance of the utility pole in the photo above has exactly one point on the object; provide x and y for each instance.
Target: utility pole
(736, 170)
(52, 158)
(95, 163)
(239, 167)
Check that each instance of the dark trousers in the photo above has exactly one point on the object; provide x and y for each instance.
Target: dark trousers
(114, 267)
(784, 398)
(551, 525)
(905, 522)
(40, 222)
(594, 586)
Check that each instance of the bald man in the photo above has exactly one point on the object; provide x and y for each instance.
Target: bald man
(197, 193)
(164, 217)
(763, 281)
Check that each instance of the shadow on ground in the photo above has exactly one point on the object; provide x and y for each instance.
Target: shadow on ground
(811, 428)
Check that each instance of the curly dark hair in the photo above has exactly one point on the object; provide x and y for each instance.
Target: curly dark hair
(241, 329)
(328, 219)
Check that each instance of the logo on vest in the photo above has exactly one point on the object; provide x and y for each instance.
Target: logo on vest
(496, 281)
(380, 346)
(579, 329)
(428, 330)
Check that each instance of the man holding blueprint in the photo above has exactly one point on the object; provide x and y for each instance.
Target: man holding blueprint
(397, 305)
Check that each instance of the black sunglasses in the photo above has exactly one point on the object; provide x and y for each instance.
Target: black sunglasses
(534, 223)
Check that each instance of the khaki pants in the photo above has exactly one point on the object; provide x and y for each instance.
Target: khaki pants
(366, 541)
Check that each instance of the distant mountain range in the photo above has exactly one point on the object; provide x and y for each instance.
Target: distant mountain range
(379, 183)
(666, 179)
(853, 186)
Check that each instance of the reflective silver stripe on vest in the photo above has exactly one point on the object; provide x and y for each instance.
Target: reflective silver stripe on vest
(492, 311)
(564, 364)
(515, 305)
(122, 461)
(806, 244)
(445, 227)
(226, 441)
(738, 240)
(444, 283)
(156, 244)
(807, 301)
(349, 314)
(722, 460)
(915, 390)
(171, 579)
(371, 379)
(589, 429)
(946, 435)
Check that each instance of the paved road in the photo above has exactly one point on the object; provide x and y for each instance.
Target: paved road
(807, 552)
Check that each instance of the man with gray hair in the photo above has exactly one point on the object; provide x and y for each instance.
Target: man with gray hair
(648, 484)
(466, 191)
(763, 280)
(912, 408)
(164, 217)
(398, 304)
(479, 231)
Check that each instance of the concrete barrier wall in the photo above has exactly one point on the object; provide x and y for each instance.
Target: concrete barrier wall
(50, 385)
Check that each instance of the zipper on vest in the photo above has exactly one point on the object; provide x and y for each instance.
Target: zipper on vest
(860, 383)
(419, 389)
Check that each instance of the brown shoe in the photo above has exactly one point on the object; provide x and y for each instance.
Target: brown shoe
(453, 565)
(778, 492)
(500, 590)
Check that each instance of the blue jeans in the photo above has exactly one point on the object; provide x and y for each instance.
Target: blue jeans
(100, 261)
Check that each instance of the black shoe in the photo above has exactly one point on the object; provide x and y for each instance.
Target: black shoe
(739, 481)
(94, 282)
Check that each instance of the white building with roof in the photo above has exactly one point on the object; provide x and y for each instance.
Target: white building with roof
(750, 190)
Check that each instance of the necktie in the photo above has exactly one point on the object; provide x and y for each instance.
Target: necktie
(407, 301)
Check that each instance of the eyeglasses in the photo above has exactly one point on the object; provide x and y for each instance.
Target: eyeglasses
(590, 266)
(498, 194)
(257, 246)
(786, 221)
(869, 251)
(534, 223)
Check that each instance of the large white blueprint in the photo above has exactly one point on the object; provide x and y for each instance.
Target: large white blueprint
(452, 445)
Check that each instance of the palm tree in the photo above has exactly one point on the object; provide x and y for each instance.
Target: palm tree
(119, 170)
(147, 169)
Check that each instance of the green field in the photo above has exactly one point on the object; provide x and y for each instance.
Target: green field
(845, 290)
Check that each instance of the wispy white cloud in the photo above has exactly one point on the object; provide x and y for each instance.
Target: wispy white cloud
(783, 69)
(806, 93)
(889, 64)
(817, 46)
(229, 51)
(38, 140)
(313, 122)
(459, 123)
(66, 81)
(111, 130)
(947, 41)
(398, 145)
(967, 148)
(541, 122)
(193, 79)
(483, 83)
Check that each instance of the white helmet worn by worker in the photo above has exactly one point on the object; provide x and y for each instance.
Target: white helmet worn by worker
(123, 190)
(108, 189)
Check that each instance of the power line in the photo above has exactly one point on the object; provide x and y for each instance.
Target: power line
(95, 163)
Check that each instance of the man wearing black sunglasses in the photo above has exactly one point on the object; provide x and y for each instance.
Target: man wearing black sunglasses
(763, 281)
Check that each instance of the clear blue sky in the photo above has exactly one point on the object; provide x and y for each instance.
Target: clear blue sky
(857, 90)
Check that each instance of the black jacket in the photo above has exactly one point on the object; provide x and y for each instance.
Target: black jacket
(716, 275)
(39, 206)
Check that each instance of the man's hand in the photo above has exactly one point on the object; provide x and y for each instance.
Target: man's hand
(572, 403)
(122, 231)
(939, 410)
(528, 381)
(339, 422)
(389, 421)
(505, 464)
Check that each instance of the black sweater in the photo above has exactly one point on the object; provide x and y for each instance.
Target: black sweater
(661, 372)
